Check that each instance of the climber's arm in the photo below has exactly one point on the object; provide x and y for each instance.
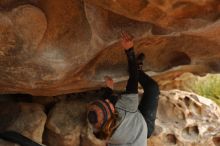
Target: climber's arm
(108, 90)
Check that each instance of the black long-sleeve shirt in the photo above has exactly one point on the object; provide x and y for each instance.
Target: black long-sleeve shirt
(109, 94)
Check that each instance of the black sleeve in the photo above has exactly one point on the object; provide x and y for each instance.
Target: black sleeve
(108, 94)
(132, 83)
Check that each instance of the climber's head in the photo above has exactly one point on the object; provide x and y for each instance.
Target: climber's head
(99, 113)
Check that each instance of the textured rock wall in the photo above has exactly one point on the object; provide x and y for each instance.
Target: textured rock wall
(55, 47)
(185, 118)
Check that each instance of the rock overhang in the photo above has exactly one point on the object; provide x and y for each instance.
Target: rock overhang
(57, 47)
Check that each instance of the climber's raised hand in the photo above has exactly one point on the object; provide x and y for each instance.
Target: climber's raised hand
(126, 40)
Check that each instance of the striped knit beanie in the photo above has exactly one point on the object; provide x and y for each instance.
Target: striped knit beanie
(99, 112)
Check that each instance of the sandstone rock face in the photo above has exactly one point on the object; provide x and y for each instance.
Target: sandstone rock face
(185, 118)
(26, 119)
(56, 47)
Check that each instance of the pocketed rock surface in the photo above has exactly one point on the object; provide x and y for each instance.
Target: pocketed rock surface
(185, 118)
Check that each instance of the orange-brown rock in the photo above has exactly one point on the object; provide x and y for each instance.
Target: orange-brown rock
(27, 119)
(56, 47)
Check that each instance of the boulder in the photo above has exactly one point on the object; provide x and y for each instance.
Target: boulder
(27, 119)
(184, 118)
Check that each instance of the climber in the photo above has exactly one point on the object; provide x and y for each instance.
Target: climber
(122, 120)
